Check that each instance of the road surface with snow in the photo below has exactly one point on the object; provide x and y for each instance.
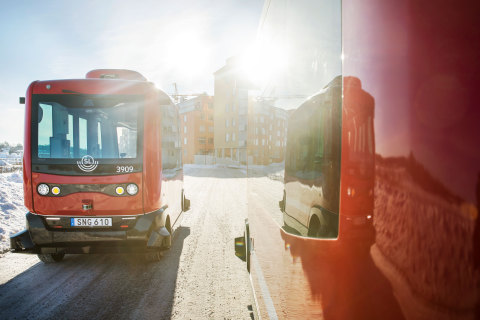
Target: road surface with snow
(199, 278)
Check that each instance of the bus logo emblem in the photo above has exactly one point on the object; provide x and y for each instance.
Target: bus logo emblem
(87, 164)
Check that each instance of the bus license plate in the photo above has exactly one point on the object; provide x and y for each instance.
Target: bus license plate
(91, 222)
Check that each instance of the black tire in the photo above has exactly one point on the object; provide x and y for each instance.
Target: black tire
(185, 203)
(282, 203)
(314, 229)
(322, 229)
(51, 257)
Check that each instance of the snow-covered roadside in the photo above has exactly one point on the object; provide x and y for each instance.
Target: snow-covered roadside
(274, 171)
(189, 168)
(12, 211)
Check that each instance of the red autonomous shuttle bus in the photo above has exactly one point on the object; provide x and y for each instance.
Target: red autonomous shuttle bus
(102, 167)
(401, 169)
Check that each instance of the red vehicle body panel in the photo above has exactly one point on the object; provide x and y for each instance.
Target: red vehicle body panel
(419, 61)
(102, 204)
(27, 151)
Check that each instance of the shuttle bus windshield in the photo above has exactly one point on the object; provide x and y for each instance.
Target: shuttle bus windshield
(67, 128)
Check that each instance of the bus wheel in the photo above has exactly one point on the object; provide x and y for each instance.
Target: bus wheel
(324, 228)
(185, 203)
(51, 257)
(314, 229)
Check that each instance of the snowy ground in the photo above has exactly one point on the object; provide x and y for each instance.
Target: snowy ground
(198, 278)
(12, 211)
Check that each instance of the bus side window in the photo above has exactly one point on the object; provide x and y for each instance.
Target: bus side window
(171, 147)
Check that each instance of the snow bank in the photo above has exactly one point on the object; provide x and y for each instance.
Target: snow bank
(12, 211)
(274, 171)
(189, 168)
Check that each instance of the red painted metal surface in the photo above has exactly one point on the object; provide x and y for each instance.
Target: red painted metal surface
(91, 86)
(115, 74)
(419, 60)
(27, 152)
(152, 156)
(102, 204)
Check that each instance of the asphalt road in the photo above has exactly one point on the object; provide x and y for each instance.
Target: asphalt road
(198, 278)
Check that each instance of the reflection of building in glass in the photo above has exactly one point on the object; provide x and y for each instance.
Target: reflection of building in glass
(267, 128)
(127, 142)
(243, 125)
(196, 118)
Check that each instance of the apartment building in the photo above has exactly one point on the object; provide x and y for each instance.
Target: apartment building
(267, 133)
(197, 129)
(231, 114)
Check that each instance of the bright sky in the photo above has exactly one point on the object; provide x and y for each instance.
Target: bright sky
(182, 41)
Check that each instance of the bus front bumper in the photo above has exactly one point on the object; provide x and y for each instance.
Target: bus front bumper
(137, 234)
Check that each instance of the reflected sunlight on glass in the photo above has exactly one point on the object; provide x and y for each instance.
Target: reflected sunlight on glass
(263, 62)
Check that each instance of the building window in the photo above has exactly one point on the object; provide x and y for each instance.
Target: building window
(210, 129)
(185, 152)
(263, 130)
(262, 120)
(227, 137)
(233, 136)
(227, 124)
(210, 140)
(210, 117)
(263, 142)
(185, 118)
(184, 140)
(202, 140)
(202, 128)
(185, 129)
(233, 122)
(278, 133)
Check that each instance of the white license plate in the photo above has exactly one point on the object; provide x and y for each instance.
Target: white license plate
(91, 222)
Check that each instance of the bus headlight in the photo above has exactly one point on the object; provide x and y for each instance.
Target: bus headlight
(56, 191)
(132, 189)
(43, 189)
(119, 190)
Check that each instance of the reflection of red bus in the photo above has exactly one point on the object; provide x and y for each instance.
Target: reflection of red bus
(102, 167)
(413, 168)
(314, 164)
